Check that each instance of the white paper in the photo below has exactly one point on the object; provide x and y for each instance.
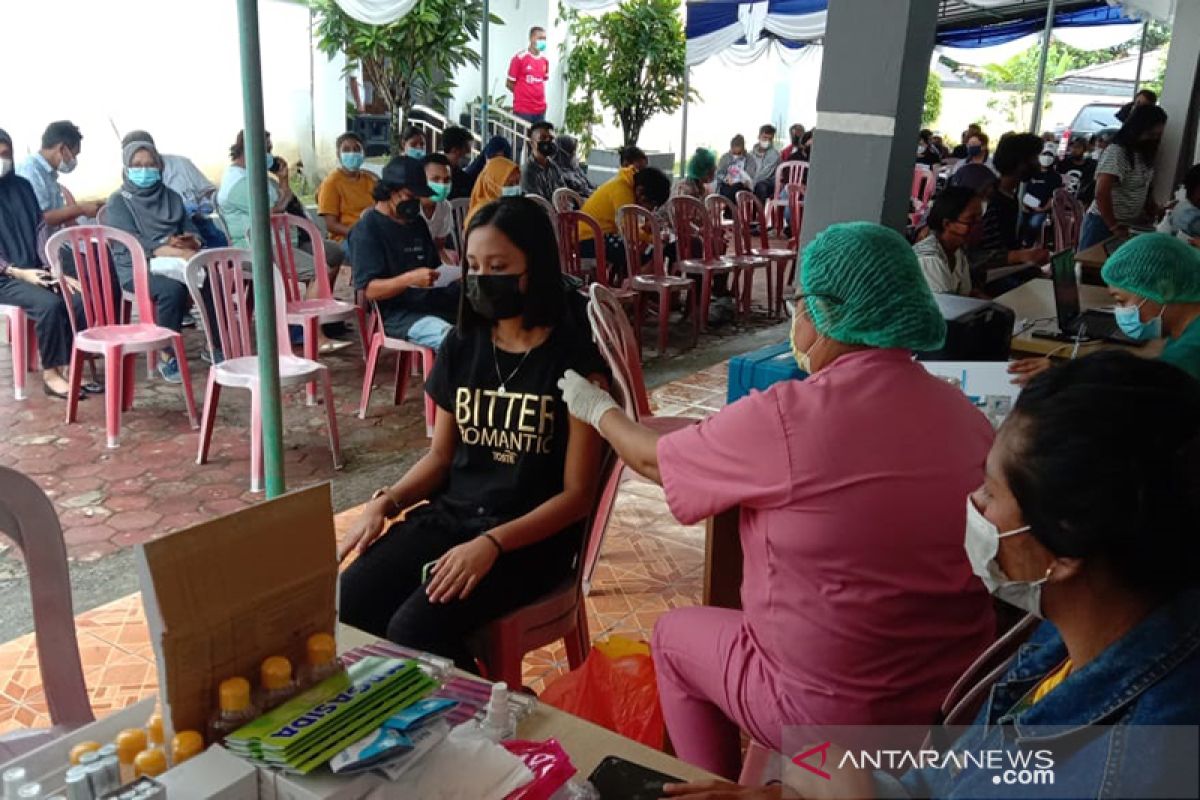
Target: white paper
(168, 267)
(977, 379)
(459, 769)
(1031, 201)
(447, 274)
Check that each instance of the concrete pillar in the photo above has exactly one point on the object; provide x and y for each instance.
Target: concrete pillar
(1180, 100)
(873, 76)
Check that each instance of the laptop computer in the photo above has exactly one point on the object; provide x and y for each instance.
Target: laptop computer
(1072, 321)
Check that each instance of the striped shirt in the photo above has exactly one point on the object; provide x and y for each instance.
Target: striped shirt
(1134, 175)
(942, 276)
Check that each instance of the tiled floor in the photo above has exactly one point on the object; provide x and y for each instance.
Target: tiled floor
(649, 564)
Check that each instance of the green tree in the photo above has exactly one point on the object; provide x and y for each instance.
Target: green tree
(1019, 75)
(933, 101)
(415, 56)
(631, 62)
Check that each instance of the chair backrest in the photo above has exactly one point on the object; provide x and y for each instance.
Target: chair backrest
(228, 273)
(546, 205)
(634, 224)
(284, 248)
(565, 199)
(28, 518)
(790, 172)
(458, 214)
(750, 213)
(692, 224)
(1068, 219)
(102, 215)
(795, 200)
(569, 241)
(618, 345)
(924, 182)
(721, 208)
(91, 248)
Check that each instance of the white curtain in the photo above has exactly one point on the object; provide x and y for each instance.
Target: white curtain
(753, 19)
(797, 27)
(377, 12)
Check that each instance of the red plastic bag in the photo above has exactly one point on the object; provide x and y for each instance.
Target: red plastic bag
(549, 763)
(615, 688)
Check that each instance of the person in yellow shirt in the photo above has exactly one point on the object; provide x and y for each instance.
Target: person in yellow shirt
(648, 188)
(346, 192)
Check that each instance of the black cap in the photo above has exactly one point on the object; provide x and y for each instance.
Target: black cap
(403, 172)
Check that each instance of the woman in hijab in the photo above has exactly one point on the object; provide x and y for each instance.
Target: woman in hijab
(500, 178)
(146, 208)
(574, 178)
(24, 280)
(496, 146)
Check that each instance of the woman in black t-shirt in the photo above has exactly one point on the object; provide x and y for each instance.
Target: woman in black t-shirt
(509, 477)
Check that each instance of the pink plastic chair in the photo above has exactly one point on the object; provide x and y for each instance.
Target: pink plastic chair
(636, 224)
(225, 269)
(561, 614)
(106, 335)
(311, 312)
(406, 354)
(28, 518)
(22, 340)
(750, 215)
(788, 172)
(1067, 212)
(723, 214)
(565, 199)
(619, 348)
(691, 222)
(923, 185)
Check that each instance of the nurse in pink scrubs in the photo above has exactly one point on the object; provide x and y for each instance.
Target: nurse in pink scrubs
(858, 603)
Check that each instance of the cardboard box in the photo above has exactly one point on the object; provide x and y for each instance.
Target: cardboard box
(215, 774)
(223, 595)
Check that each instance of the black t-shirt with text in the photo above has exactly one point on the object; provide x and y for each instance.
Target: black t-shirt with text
(380, 248)
(513, 445)
(1042, 185)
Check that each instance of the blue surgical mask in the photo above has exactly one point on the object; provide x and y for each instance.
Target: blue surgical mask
(441, 191)
(143, 177)
(541, 45)
(415, 152)
(270, 159)
(352, 161)
(510, 191)
(1129, 320)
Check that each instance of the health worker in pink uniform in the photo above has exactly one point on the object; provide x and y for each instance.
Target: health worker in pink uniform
(859, 606)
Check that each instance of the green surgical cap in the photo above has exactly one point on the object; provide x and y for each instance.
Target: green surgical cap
(1156, 266)
(701, 163)
(862, 285)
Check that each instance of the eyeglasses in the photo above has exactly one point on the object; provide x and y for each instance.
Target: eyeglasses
(795, 306)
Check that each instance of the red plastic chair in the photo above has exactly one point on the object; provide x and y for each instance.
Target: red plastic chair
(723, 213)
(561, 614)
(565, 199)
(751, 214)
(923, 185)
(619, 347)
(789, 172)
(641, 229)
(226, 271)
(406, 353)
(28, 518)
(691, 223)
(22, 340)
(1067, 213)
(548, 207)
(106, 335)
(458, 214)
(310, 312)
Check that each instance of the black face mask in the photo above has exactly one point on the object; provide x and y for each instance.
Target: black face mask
(408, 210)
(1148, 148)
(495, 297)
(547, 147)
(795, 141)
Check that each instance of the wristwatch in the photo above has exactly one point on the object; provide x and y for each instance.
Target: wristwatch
(394, 507)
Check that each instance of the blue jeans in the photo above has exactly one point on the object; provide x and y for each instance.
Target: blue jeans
(428, 331)
(1093, 231)
(1034, 224)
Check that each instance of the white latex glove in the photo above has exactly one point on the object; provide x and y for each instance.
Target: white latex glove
(586, 401)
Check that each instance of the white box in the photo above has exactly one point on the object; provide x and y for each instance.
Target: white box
(320, 785)
(215, 774)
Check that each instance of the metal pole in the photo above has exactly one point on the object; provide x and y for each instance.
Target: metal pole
(683, 151)
(260, 234)
(1137, 81)
(483, 71)
(1036, 121)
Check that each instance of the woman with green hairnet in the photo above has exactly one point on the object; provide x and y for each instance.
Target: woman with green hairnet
(701, 170)
(858, 602)
(1155, 279)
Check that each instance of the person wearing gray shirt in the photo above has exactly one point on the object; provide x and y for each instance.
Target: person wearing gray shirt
(539, 174)
(767, 158)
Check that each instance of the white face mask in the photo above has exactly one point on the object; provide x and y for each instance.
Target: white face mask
(1045, 159)
(6, 166)
(982, 543)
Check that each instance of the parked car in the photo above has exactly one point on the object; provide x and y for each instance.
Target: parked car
(1091, 119)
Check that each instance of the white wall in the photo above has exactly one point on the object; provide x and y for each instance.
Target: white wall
(185, 89)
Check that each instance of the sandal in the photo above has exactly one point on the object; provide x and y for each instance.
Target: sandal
(333, 346)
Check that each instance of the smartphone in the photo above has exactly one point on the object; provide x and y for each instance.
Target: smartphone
(618, 779)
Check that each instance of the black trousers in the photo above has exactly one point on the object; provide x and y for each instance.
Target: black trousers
(172, 300)
(382, 592)
(48, 311)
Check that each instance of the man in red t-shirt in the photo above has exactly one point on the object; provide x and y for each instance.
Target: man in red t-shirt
(527, 74)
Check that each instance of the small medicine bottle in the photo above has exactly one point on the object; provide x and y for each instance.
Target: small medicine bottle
(321, 660)
(151, 763)
(130, 742)
(276, 686)
(78, 751)
(235, 709)
(154, 728)
(30, 791)
(14, 779)
(185, 745)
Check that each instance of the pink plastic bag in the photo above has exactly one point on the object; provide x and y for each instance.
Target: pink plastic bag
(549, 763)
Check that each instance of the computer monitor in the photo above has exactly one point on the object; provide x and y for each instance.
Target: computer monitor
(1066, 288)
